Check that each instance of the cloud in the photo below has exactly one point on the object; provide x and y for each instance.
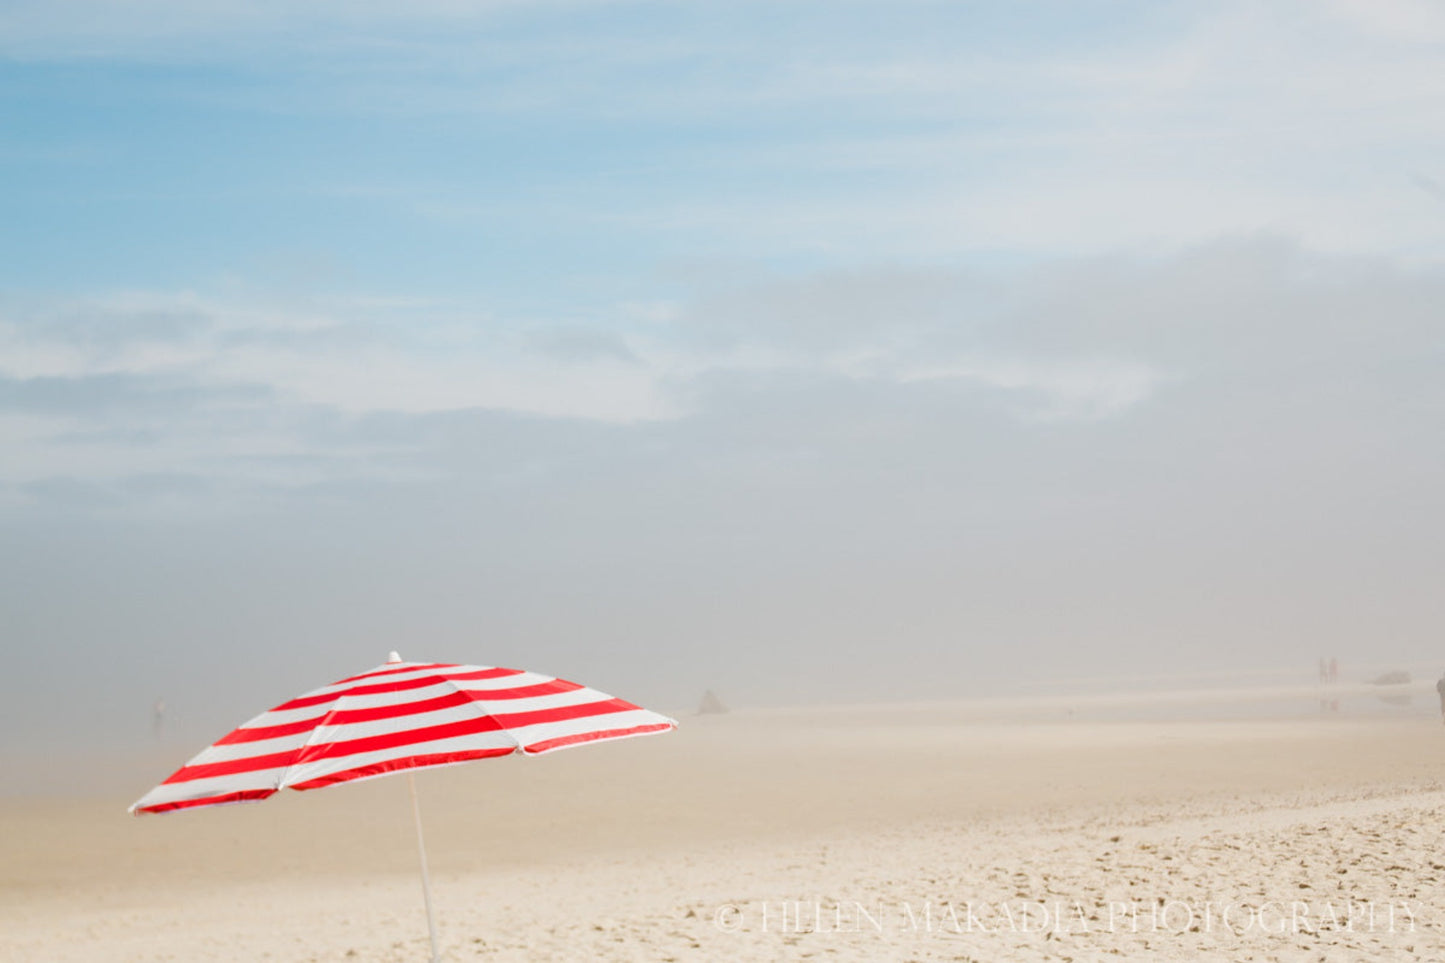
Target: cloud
(305, 357)
(102, 391)
(157, 386)
(1080, 389)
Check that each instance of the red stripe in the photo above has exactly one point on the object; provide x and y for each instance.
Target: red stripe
(516, 720)
(268, 732)
(415, 667)
(421, 683)
(206, 770)
(523, 691)
(396, 765)
(451, 730)
(245, 795)
(406, 737)
(391, 740)
(410, 762)
(562, 742)
(345, 717)
(305, 702)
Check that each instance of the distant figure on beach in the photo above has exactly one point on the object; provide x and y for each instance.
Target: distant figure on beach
(158, 717)
(1329, 675)
(1440, 688)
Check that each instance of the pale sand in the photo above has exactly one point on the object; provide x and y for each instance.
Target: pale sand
(784, 835)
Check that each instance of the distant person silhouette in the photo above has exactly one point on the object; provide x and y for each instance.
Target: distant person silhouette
(1440, 688)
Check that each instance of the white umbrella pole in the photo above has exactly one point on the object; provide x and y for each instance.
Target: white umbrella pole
(431, 919)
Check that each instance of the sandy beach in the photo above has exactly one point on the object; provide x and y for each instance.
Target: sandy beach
(866, 833)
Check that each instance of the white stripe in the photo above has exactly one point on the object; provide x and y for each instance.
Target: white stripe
(382, 727)
(330, 767)
(553, 700)
(249, 750)
(214, 786)
(275, 718)
(461, 713)
(543, 731)
(421, 671)
(347, 703)
(281, 717)
(503, 682)
(287, 716)
(417, 720)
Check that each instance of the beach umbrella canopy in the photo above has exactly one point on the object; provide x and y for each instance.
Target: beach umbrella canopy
(398, 717)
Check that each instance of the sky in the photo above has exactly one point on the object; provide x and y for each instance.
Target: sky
(804, 351)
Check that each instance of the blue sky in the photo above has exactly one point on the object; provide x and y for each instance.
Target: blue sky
(573, 147)
(1084, 330)
(483, 152)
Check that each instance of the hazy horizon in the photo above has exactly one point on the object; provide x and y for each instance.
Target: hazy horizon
(808, 353)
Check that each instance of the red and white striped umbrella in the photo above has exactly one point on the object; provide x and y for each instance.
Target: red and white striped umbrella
(396, 717)
(399, 717)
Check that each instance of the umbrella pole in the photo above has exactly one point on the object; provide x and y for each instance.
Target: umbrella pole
(431, 920)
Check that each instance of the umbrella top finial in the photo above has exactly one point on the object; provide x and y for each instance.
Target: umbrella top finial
(393, 657)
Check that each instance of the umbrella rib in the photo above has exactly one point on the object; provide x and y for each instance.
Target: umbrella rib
(480, 705)
(281, 782)
(486, 711)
